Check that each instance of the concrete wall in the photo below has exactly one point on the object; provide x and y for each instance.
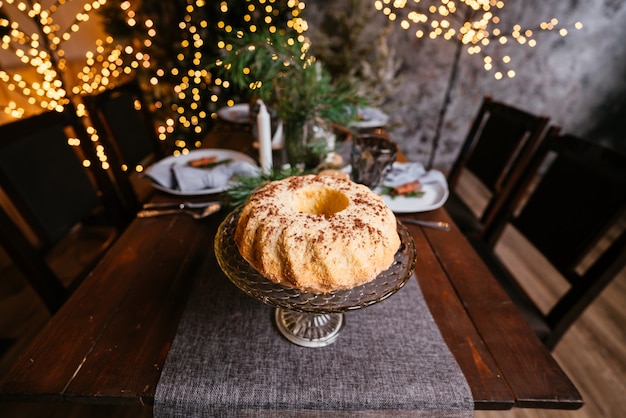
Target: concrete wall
(578, 80)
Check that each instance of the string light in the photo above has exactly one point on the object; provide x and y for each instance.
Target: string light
(190, 85)
(113, 59)
(42, 51)
(478, 30)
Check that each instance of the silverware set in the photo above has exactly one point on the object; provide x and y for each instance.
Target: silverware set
(197, 210)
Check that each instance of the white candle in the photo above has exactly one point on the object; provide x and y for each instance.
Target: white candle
(264, 131)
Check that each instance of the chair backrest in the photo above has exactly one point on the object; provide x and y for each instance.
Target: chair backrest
(570, 205)
(46, 178)
(126, 128)
(498, 146)
(49, 189)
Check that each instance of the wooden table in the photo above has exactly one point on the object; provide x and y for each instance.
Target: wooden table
(108, 343)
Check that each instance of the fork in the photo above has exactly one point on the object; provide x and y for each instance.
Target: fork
(177, 205)
(207, 211)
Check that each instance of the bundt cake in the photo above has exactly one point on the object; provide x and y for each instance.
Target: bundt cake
(317, 233)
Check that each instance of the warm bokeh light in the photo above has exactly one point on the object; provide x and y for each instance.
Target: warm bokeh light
(41, 51)
(475, 23)
(187, 91)
(113, 59)
(191, 83)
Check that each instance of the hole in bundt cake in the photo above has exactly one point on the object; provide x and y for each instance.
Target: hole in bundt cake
(320, 201)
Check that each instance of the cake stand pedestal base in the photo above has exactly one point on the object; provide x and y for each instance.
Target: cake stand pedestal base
(309, 329)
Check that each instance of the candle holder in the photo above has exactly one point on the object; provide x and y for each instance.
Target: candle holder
(371, 158)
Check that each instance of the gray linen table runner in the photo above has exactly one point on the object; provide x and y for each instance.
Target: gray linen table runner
(228, 359)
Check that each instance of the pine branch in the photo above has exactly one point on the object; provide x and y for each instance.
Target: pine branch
(244, 186)
(278, 69)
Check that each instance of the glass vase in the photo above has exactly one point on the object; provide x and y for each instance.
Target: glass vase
(295, 142)
(307, 142)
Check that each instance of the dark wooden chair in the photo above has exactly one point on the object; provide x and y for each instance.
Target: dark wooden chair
(58, 215)
(570, 206)
(126, 128)
(499, 144)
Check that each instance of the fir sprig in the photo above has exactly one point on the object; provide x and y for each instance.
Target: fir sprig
(243, 186)
(278, 69)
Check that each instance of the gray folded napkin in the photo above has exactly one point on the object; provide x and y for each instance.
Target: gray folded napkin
(185, 178)
(402, 173)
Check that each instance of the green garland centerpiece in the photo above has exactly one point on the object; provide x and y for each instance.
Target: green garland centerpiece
(278, 69)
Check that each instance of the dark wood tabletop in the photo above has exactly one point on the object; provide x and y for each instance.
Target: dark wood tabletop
(108, 343)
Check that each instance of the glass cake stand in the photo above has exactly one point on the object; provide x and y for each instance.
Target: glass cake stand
(305, 318)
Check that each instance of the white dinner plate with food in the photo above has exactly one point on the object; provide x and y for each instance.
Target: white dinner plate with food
(239, 113)
(433, 196)
(162, 168)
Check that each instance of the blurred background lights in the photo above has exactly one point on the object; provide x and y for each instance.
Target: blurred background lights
(473, 23)
(193, 89)
(185, 92)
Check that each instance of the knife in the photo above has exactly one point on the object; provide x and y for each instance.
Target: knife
(444, 226)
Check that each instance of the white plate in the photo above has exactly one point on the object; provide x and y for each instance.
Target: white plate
(221, 154)
(238, 113)
(435, 195)
(370, 117)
